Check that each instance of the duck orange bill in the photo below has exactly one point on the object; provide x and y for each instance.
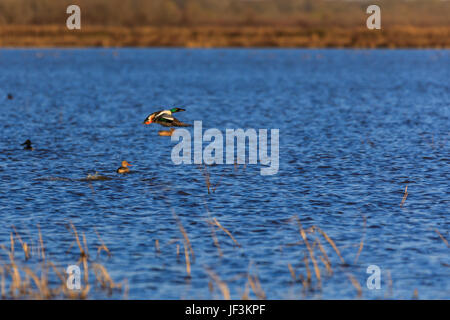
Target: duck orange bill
(147, 122)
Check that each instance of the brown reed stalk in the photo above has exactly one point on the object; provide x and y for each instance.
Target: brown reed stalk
(24, 245)
(331, 242)
(256, 287)
(207, 178)
(361, 244)
(2, 285)
(390, 285)
(326, 261)
(215, 240)
(356, 285)
(245, 295)
(221, 284)
(310, 250)
(292, 272)
(217, 223)
(157, 246)
(11, 237)
(102, 246)
(41, 241)
(213, 232)
(188, 261)
(405, 195)
(185, 235)
(308, 272)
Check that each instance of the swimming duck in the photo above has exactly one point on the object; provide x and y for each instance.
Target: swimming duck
(166, 133)
(10, 96)
(124, 168)
(165, 118)
(27, 145)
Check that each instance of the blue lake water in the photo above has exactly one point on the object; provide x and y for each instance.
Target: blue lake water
(356, 128)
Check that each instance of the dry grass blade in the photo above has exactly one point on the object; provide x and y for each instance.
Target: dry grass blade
(361, 244)
(157, 246)
(405, 195)
(308, 272)
(256, 287)
(245, 295)
(389, 292)
(217, 223)
(185, 235)
(326, 261)
(213, 232)
(188, 261)
(292, 272)
(221, 284)
(442, 237)
(356, 285)
(104, 278)
(102, 246)
(24, 245)
(41, 243)
(331, 242)
(311, 252)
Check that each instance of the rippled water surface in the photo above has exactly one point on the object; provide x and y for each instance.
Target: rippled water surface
(356, 128)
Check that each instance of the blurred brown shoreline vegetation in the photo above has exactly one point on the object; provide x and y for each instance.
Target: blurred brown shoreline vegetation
(225, 23)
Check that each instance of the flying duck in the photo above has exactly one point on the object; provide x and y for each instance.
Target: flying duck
(165, 118)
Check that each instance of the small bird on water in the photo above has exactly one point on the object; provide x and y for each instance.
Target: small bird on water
(27, 145)
(124, 168)
(10, 96)
(165, 118)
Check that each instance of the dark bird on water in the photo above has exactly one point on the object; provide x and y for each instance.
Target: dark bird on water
(10, 96)
(27, 145)
(165, 118)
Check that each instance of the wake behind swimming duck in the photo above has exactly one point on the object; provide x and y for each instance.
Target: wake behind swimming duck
(165, 118)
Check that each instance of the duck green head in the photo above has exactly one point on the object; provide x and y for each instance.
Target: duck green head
(173, 110)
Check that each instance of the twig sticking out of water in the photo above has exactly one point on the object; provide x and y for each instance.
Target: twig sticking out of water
(405, 195)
